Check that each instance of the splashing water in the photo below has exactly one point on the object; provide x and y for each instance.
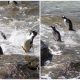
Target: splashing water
(16, 23)
(67, 48)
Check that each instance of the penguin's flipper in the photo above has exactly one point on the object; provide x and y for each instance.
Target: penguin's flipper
(3, 35)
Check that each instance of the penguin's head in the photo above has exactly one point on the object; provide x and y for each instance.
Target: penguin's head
(12, 2)
(53, 27)
(63, 17)
(34, 33)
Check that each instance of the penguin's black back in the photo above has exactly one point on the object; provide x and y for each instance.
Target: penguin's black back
(59, 36)
(1, 51)
(15, 2)
(56, 32)
(70, 24)
(31, 41)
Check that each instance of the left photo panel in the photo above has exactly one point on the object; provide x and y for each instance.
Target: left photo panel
(19, 40)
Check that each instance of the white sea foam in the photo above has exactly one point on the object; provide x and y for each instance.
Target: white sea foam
(17, 37)
(49, 67)
(17, 32)
(2, 8)
(53, 52)
(46, 76)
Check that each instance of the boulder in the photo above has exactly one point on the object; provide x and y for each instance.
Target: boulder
(32, 62)
(45, 53)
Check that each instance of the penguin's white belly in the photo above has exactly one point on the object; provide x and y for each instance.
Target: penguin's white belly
(26, 46)
(65, 22)
(55, 36)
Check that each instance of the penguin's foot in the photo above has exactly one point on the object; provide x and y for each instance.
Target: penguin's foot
(72, 30)
(60, 41)
(25, 49)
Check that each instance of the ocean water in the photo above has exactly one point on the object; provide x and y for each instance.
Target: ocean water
(66, 51)
(68, 8)
(15, 23)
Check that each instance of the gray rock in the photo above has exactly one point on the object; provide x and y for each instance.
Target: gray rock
(45, 53)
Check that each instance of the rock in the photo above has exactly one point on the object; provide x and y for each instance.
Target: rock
(74, 66)
(45, 53)
(32, 62)
(10, 71)
(26, 72)
(19, 67)
(18, 70)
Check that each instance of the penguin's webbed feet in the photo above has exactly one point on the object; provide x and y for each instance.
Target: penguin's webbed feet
(25, 50)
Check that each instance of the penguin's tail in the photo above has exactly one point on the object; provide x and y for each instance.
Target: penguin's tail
(72, 30)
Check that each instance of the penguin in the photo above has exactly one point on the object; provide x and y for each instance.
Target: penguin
(12, 2)
(1, 51)
(68, 22)
(3, 35)
(56, 34)
(29, 42)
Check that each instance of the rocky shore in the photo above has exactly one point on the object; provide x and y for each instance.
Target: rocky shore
(14, 67)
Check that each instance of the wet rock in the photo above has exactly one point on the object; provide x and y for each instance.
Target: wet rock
(19, 71)
(73, 69)
(66, 70)
(25, 69)
(74, 66)
(45, 53)
(32, 62)
(26, 72)
(57, 73)
(8, 71)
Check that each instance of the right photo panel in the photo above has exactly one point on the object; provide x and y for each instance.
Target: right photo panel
(60, 39)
